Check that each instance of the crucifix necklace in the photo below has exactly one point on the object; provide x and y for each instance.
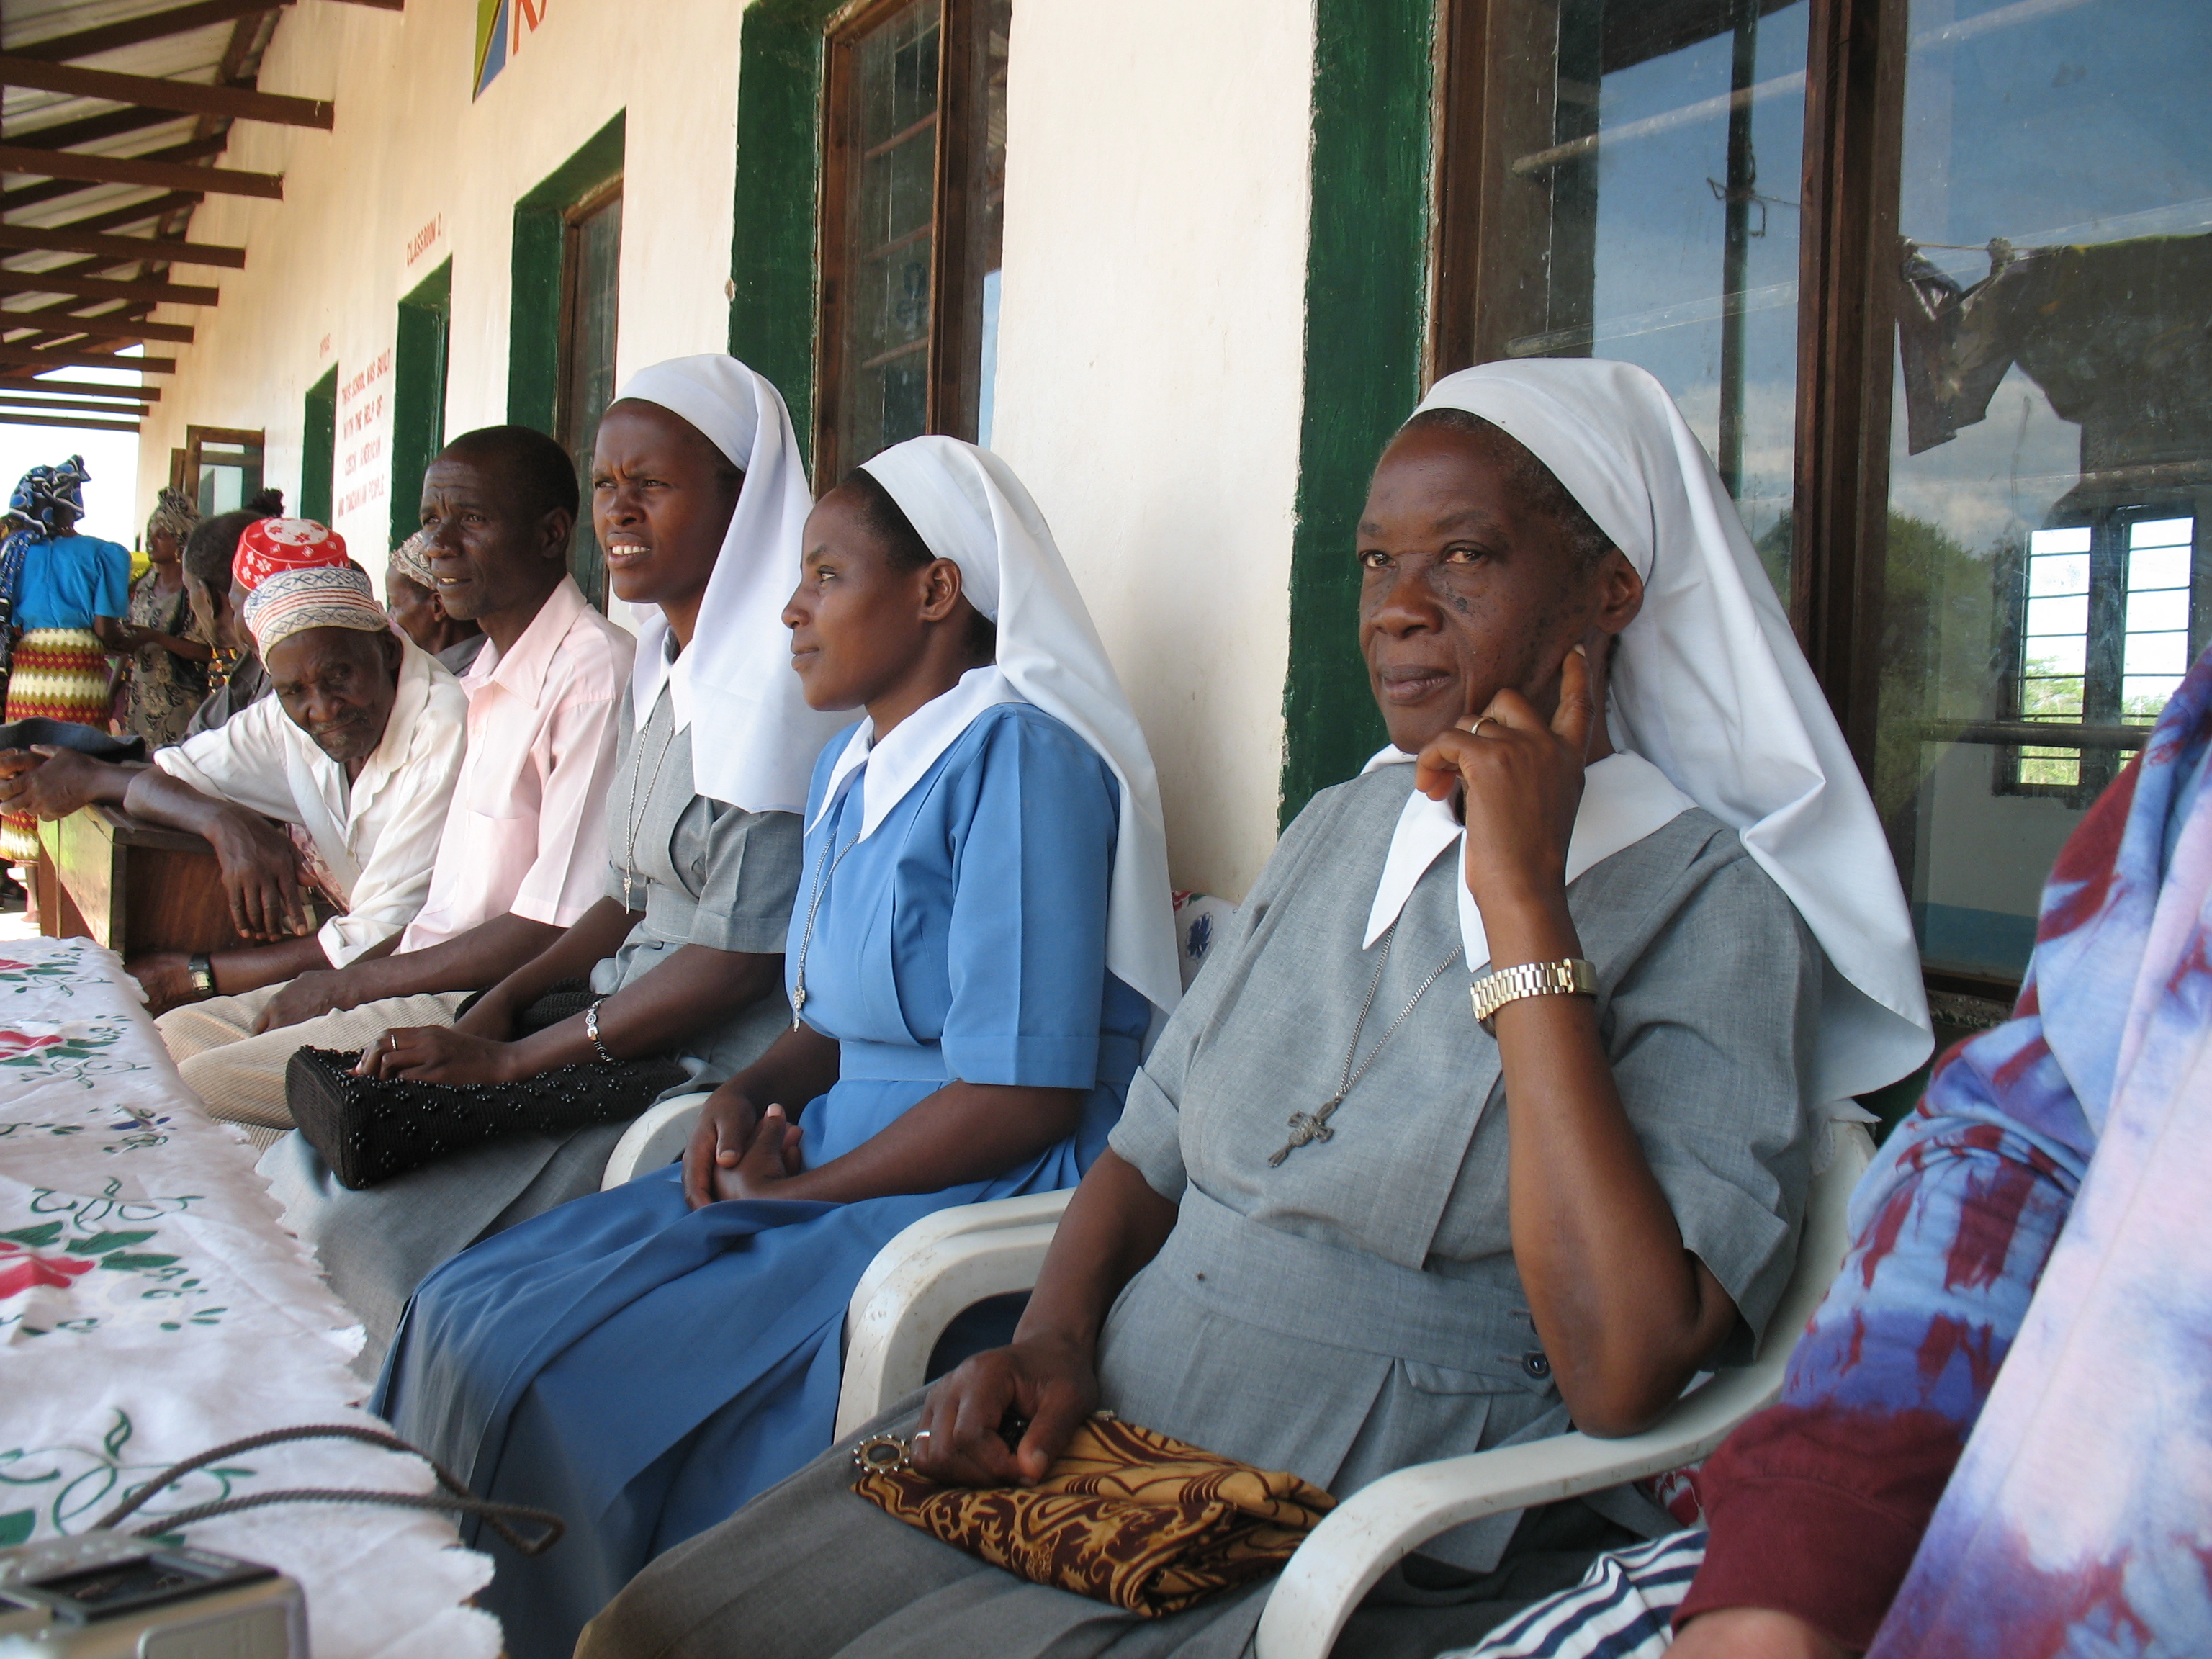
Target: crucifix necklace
(806, 938)
(1307, 1127)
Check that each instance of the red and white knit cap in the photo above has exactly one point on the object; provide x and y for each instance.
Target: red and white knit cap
(269, 545)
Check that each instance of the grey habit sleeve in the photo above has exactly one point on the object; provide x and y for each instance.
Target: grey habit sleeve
(747, 867)
(1709, 1055)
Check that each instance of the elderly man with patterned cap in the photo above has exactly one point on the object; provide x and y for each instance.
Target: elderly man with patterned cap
(336, 787)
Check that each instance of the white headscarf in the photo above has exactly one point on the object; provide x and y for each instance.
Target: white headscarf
(736, 679)
(1709, 687)
(967, 505)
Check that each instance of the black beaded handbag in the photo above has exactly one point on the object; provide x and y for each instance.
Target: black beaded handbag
(370, 1129)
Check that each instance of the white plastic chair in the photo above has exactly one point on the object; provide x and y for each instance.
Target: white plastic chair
(926, 1277)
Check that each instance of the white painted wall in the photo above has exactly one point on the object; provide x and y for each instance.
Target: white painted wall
(326, 266)
(1151, 345)
(1151, 366)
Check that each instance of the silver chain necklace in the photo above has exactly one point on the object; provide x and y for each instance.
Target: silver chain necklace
(638, 808)
(806, 937)
(1307, 1127)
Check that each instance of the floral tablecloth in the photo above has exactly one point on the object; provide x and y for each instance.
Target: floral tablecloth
(151, 1307)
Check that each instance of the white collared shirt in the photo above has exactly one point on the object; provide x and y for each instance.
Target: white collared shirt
(374, 839)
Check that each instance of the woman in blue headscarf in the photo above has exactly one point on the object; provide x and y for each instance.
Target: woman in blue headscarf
(62, 596)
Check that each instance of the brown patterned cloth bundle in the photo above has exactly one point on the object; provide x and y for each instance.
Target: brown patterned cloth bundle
(1126, 1516)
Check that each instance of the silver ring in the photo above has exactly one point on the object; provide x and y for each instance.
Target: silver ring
(1482, 720)
(924, 1435)
(391, 1042)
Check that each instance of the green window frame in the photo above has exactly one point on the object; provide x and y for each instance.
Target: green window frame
(318, 446)
(418, 393)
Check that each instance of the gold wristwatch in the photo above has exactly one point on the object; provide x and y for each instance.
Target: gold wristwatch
(1569, 976)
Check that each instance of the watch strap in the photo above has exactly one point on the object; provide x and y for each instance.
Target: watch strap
(1568, 976)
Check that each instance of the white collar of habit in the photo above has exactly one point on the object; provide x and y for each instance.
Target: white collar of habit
(1624, 799)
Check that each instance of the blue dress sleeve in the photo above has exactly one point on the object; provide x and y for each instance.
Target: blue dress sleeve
(1027, 940)
(111, 580)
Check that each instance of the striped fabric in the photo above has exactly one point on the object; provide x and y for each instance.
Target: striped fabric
(57, 674)
(1622, 1609)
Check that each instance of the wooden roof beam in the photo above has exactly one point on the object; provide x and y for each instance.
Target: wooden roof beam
(76, 424)
(192, 149)
(154, 26)
(126, 170)
(66, 405)
(93, 288)
(155, 92)
(31, 361)
(18, 382)
(37, 239)
(115, 124)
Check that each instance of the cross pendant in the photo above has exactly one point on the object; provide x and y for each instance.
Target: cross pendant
(798, 998)
(1307, 1127)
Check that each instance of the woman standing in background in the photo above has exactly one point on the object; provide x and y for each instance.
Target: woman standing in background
(170, 652)
(70, 593)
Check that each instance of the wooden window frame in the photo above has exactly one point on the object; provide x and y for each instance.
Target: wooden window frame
(952, 395)
(185, 463)
(1846, 317)
(600, 196)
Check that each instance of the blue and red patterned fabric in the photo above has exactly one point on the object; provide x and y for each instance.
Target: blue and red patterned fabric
(2044, 1212)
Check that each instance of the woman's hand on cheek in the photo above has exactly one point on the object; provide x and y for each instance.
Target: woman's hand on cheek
(1755, 1633)
(1521, 782)
(767, 1163)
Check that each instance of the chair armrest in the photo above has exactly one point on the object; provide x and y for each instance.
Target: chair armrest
(1368, 1532)
(991, 1215)
(891, 1335)
(656, 1137)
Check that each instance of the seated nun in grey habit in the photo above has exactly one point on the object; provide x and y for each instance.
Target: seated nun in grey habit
(698, 495)
(1346, 1223)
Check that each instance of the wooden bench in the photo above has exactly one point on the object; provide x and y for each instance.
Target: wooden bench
(133, 887)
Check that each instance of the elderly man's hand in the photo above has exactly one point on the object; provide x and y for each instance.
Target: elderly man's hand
(307, 996)
(261, 876)
(47, 781)
(166, 977)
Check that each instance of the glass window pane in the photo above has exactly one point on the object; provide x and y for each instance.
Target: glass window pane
(890, 242)
(2164, 608)
(593, 248)
(1655, 214)
(2158, 566)
(2051, 451)
(2067, 573)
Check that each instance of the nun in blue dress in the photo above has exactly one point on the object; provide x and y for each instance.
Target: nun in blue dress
(981, 936)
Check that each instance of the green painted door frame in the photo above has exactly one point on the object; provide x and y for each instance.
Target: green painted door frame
(775, 238)
(533, 338)
(418, 393)
(318, 446)
(1366, 301)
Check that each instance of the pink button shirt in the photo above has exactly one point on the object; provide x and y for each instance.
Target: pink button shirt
(526, 832)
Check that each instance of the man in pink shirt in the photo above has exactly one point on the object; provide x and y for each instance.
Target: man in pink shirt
(524, 850)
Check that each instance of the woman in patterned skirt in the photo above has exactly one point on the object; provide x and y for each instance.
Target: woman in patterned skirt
(170, 654)
(69, 593)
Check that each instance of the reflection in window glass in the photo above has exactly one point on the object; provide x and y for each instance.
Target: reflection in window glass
(1652, 216)
(2051, 443)
(889, 234)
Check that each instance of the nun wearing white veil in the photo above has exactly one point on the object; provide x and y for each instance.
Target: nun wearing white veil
(1494, 1111)
(698, 498)
(982, 935)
